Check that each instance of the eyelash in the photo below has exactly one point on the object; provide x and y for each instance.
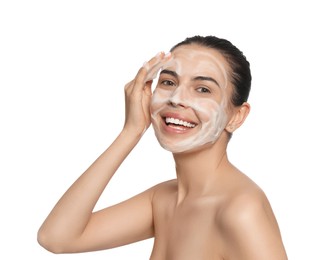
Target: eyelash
(202, 90)
(167, 83)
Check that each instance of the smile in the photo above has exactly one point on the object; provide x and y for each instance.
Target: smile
(170, 121)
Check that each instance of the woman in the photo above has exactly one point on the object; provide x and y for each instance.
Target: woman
(211, 210)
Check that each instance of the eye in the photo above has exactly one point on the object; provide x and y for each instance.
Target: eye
(167, 83)
(203, 90)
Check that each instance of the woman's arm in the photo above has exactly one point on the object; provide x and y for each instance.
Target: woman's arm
(72, 226)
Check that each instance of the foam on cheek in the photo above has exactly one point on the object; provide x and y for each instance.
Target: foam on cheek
(209, 130)
(212, 118)
(159, 99)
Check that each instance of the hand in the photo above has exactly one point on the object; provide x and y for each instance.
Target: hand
(138, 95)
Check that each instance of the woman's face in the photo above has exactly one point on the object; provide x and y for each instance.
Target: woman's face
(188, 107)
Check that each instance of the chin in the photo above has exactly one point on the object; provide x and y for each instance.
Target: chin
(187, 150)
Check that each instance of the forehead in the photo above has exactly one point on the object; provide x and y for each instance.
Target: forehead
(195, 60)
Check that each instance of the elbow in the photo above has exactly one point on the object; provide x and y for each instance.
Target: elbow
(50, 242)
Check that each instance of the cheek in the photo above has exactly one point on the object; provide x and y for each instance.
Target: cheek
(159, 99)
(207, 110)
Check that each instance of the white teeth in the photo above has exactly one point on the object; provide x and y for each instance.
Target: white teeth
(171, 120)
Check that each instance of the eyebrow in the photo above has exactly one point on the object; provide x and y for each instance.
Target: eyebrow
(170, 72)
(207, 78)
(174, 74)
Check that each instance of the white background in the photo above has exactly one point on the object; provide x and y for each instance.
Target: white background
(63, 67)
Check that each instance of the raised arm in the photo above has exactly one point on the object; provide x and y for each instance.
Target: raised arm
(72, 226)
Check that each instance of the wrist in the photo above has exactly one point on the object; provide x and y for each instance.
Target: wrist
(132, 133)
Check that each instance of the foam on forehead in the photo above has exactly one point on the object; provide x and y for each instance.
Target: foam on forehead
(193, 61)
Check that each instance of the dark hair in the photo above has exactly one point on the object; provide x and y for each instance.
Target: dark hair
(240, 74)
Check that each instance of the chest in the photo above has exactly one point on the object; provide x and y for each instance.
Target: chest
(187, 231)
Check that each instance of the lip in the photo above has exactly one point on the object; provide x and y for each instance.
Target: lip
(176, 129)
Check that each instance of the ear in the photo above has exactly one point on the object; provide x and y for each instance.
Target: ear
(239, 115)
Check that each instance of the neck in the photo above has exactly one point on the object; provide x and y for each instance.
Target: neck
(198, 171)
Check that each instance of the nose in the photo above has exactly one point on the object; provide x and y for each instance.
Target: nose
(175, 104)
(178, 97)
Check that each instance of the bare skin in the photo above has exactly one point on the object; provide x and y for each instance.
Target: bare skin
(211, 211)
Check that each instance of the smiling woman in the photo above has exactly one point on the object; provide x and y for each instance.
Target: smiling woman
(191, 94)
(211, 210)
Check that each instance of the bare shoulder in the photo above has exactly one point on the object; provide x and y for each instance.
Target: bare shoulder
(246, 198)
(246, 206)
(249, 224)
(165, 188)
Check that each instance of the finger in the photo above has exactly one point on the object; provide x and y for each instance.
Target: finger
(154, 65)
(139, 78)
(139, 81)
(150, 69)
(148, 87)
(129, 87)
